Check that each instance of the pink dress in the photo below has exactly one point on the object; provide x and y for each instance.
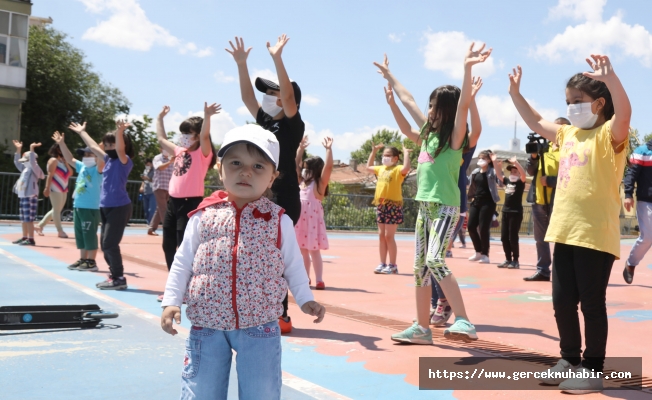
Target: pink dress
(311, 229)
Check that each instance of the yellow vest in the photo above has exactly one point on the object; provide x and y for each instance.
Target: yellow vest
(551, 164)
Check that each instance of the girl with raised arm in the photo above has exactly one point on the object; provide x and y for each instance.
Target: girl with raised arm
(585, 224)
(115, 204)
(443, 138)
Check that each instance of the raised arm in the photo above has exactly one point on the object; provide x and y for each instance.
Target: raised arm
(67, 155)
(498, 167)
(476, 125)
(403, 124)
(19, 148)
(299, 158)
(287, 91)
(459, 129)
(406, 161)
(372, 156)
(403, 94)
(328, 165)
(246, 89)
(33, 162)
(532, 118)
(603, 71)
(205, 134)
(87, 139)
(160, 132)
(120, 141)
(520, 169)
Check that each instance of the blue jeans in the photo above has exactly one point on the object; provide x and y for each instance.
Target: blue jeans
(149, 206)
(642, 245)
(541, 218)
(207, 363)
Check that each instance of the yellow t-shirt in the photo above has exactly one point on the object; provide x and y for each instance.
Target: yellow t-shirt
(388, 188)
(551, 163)
(587, 201)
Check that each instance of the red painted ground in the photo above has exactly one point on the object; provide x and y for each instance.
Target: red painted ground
(504, 308)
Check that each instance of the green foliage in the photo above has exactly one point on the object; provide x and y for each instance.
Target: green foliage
(62, 88)
(647, 138)
(390, 139)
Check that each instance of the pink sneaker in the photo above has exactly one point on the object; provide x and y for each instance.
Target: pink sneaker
(442, 314)
(159, 298)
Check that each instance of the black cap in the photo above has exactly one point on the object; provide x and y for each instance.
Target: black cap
(511, 167)
(263, 84)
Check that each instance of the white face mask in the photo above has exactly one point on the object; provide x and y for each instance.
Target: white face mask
(187, 140)
(387, 161)
(581, 116)
(269, 105)
(89, 162)
(305, 174)
(514, 178)
(481, 163)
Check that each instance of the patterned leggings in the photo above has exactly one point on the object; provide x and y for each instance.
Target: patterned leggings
(434, 229)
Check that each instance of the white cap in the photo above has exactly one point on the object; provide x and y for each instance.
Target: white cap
(254, 134)
(25, 157)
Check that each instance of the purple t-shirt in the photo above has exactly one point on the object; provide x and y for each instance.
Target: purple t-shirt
(114, 182)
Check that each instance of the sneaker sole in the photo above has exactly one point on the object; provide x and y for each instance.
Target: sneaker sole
(458, 336)
(73, 268)
(581, 391)
(412, 341)
(93, 269)
(443, 322)
(113, 287)
(378, 272)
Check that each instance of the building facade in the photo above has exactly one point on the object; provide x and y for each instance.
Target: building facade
(14, 30)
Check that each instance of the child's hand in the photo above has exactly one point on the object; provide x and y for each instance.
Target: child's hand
(122, 125)
(476, 56)
(377, 147)
(515, 80)
(407, 151)
(211, 110)
(239, 53)
(164, 112)
(57, 137)
(315, 309)
(475, 86)
(389, 94)
(602, 68)
(304, 143)
(383, 68)
(33, 146)
(18, 145)
(276, 50)
(170, 313)
(494, 158)
(327, 143)
(513, 160)
(75, 127)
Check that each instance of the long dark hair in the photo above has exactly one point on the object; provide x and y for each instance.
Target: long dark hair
(315, 165)
(487, 153)
(55, 151)
(595, 90)
(395, 152)
(193, 125)
(445, 99)
(129, 146)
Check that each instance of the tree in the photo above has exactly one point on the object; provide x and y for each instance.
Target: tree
(62, 88)
(388, 138)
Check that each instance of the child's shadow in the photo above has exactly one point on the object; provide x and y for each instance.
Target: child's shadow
(368, 342)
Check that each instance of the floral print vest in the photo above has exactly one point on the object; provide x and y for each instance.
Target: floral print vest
(237, 272)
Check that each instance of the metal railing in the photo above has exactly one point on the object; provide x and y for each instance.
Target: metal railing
(352, 212)
(9, 200)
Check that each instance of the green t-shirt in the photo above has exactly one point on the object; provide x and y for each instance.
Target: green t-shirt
(437, 178)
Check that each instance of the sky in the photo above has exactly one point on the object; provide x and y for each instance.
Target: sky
(170, 52)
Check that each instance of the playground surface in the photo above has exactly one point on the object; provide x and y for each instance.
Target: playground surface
(348, 356)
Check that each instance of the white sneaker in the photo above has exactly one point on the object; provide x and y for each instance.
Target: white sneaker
(582, 385)
(484, 260)
(379, 269)
(476, 257)
(390, 269)
(562, 366)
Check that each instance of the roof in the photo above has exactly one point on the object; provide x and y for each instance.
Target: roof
(344, 174)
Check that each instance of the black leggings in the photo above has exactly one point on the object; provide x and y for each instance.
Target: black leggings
(511, 224)
(174, 224)
(114, 222)
(580, 275)
(480, 216)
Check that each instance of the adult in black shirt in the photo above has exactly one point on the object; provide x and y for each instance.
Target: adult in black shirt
(279, 114)
(483, 193)
(512, 211)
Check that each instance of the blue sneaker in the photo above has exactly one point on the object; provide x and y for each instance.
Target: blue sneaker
(461, 330)
(413, 335)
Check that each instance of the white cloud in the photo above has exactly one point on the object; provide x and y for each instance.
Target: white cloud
(499, 111)
(128, 27)
(221, 77)
(243, 111)
(343, 143)
(445, 51)
(595, 35)
(396, 37)
(584, 10)
(310, 100)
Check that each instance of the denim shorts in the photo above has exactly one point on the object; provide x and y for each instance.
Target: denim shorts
(207, 362)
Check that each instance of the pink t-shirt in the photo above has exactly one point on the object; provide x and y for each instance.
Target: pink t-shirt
(189, 172)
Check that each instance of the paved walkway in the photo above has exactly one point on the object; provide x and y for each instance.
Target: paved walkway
(349, 355)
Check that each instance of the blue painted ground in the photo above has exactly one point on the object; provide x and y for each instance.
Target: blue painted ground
(134, 358)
